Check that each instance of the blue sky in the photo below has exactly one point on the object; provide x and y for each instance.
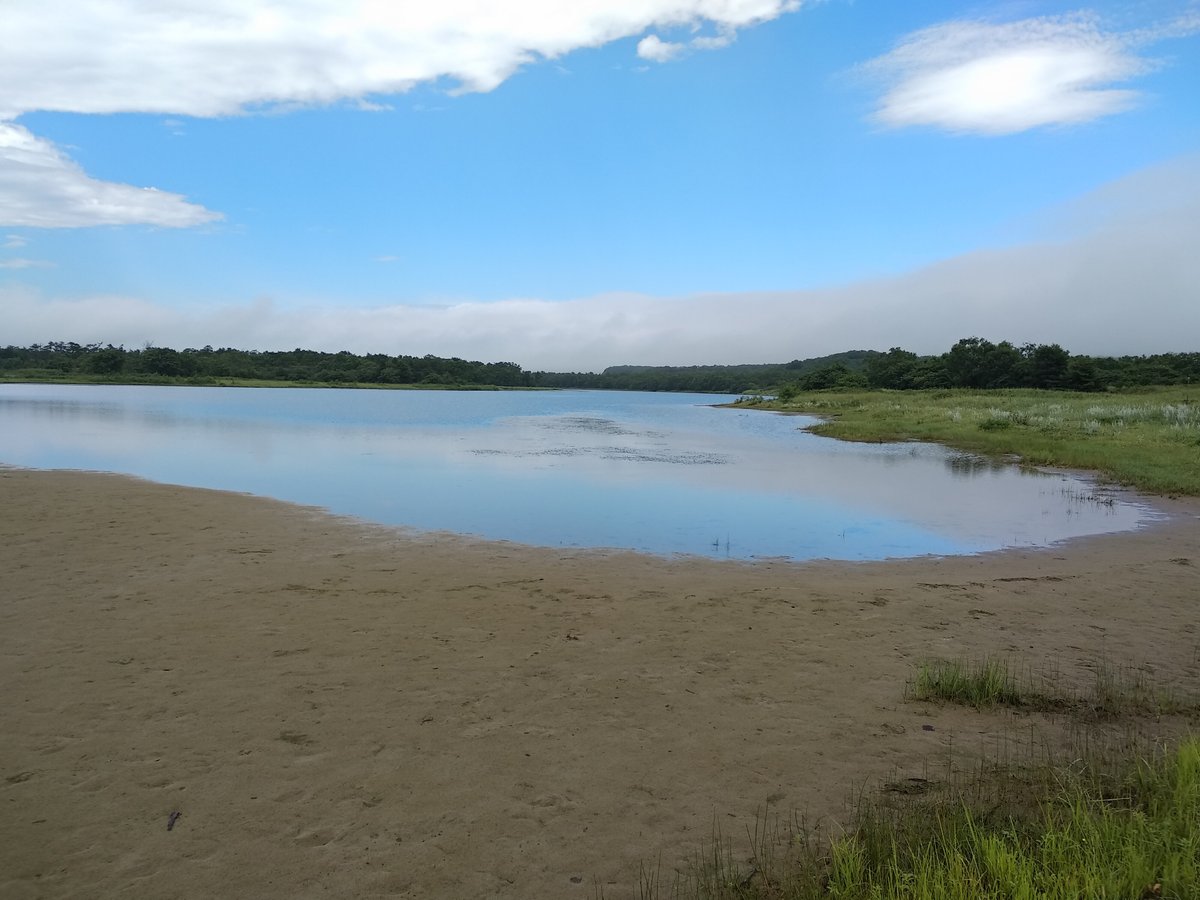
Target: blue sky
(576, 186)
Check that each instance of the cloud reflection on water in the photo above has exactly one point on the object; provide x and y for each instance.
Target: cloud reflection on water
(654, 472)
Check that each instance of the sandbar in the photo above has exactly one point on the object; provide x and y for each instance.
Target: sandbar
(340, 709)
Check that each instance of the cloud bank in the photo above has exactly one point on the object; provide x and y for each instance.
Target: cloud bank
(1000, 78)
(1078, 293)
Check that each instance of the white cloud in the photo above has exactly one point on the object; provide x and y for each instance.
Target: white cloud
(220, 57)
(988, 78)
(655, 49)
(13, 242)
(25, 264)
(42, 188)
(1077, 292)
(713, 42)
(223, 57)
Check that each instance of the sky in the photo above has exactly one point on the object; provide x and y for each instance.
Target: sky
(570, 186)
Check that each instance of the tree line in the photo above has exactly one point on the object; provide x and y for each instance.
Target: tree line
(740, 379)
(64, 360)
(971, 363)
(978, 363)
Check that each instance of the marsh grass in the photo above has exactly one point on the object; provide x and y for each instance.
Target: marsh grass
(787, 859)
(1101, 830)
(1127, 690)
(1114, 814)
(1148, 439)
(1114, 690)
(988, 683)
(1092, 828)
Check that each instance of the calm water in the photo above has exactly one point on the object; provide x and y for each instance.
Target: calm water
(663, 473)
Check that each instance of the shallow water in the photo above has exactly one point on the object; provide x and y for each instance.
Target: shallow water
(661, 473)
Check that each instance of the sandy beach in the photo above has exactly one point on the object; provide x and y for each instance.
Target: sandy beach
(344, 710)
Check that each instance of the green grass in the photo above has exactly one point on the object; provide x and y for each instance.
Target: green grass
(1085, 840)
(1149, 439)
(988, 683)
(1115, 816)
(1078, 831)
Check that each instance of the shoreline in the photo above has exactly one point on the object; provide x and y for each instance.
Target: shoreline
(341, 707)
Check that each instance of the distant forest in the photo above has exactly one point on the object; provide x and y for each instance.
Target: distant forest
(971, 362)
(93, 362)
(978, 363)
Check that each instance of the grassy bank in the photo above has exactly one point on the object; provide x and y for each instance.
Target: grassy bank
(1117, 815)
(1149, 439)
(1131, 832)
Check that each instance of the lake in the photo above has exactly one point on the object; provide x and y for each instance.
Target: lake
(658, 473)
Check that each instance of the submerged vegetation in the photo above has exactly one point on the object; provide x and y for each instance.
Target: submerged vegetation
(1117, 816)
(1149, 439)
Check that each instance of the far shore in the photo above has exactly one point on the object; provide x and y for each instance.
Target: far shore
(341, 709)
(228, 381)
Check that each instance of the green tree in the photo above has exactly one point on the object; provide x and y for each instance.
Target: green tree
(895, 369)
(1082, 375)
(164, 361)
(109, 361)
(1044, 365)
(977, 363)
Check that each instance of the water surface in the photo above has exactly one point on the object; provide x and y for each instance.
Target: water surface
(661, 473)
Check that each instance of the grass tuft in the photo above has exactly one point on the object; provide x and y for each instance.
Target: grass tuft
(988, 683)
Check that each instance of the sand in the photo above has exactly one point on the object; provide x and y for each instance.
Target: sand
(337, 709)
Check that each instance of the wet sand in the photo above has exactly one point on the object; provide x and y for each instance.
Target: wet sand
(338, 709)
